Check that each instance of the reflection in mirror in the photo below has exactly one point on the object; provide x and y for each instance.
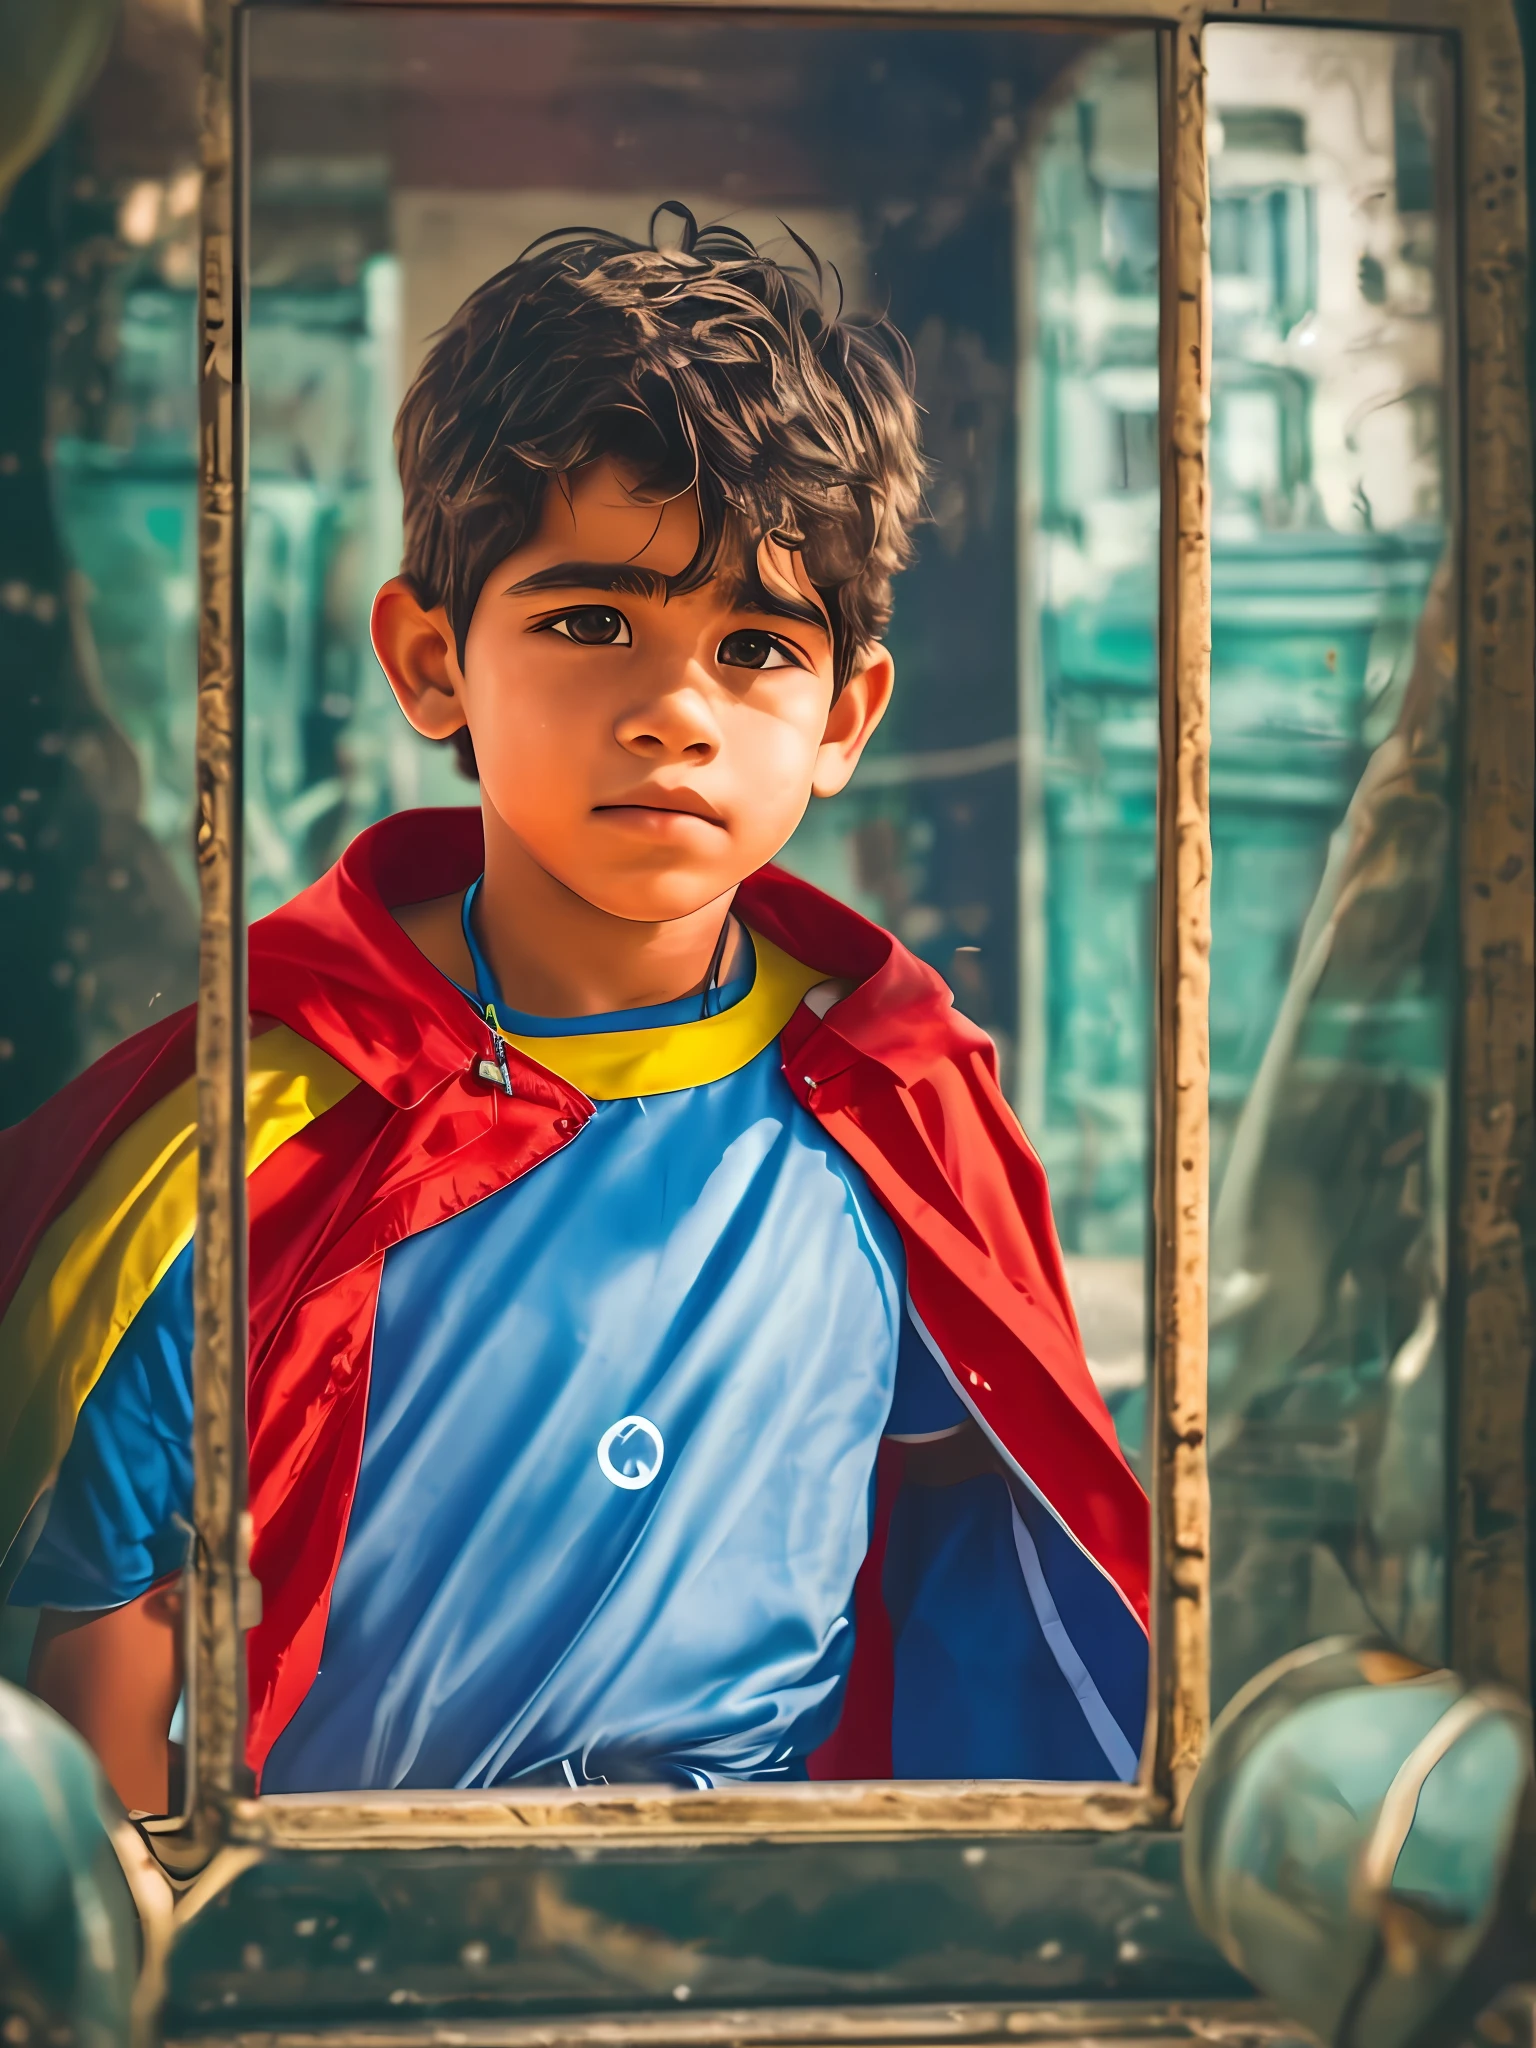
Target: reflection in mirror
(1088, 694)
(695, 1264)
(98, 921)
(1334, 679)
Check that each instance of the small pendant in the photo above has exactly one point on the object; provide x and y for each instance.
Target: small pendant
(495, 1070)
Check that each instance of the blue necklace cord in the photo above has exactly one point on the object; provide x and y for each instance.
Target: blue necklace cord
(487, 996)
(712, 979)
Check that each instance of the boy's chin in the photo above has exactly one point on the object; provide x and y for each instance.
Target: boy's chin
(653, 899)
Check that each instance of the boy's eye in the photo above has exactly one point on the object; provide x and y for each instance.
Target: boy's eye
(594, 625)
(754, 650)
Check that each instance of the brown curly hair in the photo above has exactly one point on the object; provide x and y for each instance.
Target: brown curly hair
(704, 367)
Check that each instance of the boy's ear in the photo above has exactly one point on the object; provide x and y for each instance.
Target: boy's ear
(416, 651)
(852, 719)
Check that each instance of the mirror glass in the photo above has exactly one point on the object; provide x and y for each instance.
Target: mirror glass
(98, 582)
(1333, 967)
(992, 192)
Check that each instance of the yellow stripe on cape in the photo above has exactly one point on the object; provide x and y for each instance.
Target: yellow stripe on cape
(662, 1058)
(102, 1258)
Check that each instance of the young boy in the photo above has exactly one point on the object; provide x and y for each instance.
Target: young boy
(660, 1362)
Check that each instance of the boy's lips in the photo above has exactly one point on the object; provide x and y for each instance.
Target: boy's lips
(655, 808)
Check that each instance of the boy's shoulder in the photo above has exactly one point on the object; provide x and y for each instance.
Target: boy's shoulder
(100, 1200)
(891, 1008)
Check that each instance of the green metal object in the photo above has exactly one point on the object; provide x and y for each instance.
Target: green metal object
(1360, 1842)
(70, 1939)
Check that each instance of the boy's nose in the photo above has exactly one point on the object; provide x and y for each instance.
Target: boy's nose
(675, 724)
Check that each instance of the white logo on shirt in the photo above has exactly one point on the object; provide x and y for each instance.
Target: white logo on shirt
(630, 1452)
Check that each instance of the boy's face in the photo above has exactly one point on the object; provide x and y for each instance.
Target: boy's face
(647, 750)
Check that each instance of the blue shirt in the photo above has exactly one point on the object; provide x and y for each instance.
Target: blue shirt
(615, 1482)
(616, 1478)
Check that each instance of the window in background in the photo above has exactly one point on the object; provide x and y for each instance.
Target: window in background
(1333, 965)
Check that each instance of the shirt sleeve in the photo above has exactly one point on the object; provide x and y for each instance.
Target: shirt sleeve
(119, 1518)
(925, 1403)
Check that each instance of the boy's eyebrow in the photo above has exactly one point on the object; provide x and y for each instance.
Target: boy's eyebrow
(750, 595)
(620, 576)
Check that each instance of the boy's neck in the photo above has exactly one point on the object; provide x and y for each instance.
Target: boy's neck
(553, 954)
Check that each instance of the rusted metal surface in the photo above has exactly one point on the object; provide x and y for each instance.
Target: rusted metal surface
(217, 1688)
(1117, 13)
(404, 1820)
(1200, 2023)
(1490, 1595)
(1412, 14)
(1181, 1185)
(1415, 14)
(154, 1904)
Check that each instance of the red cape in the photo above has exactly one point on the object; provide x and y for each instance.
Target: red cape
(904, 1084)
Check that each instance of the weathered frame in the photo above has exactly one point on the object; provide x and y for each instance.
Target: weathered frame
(1489, 1599)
